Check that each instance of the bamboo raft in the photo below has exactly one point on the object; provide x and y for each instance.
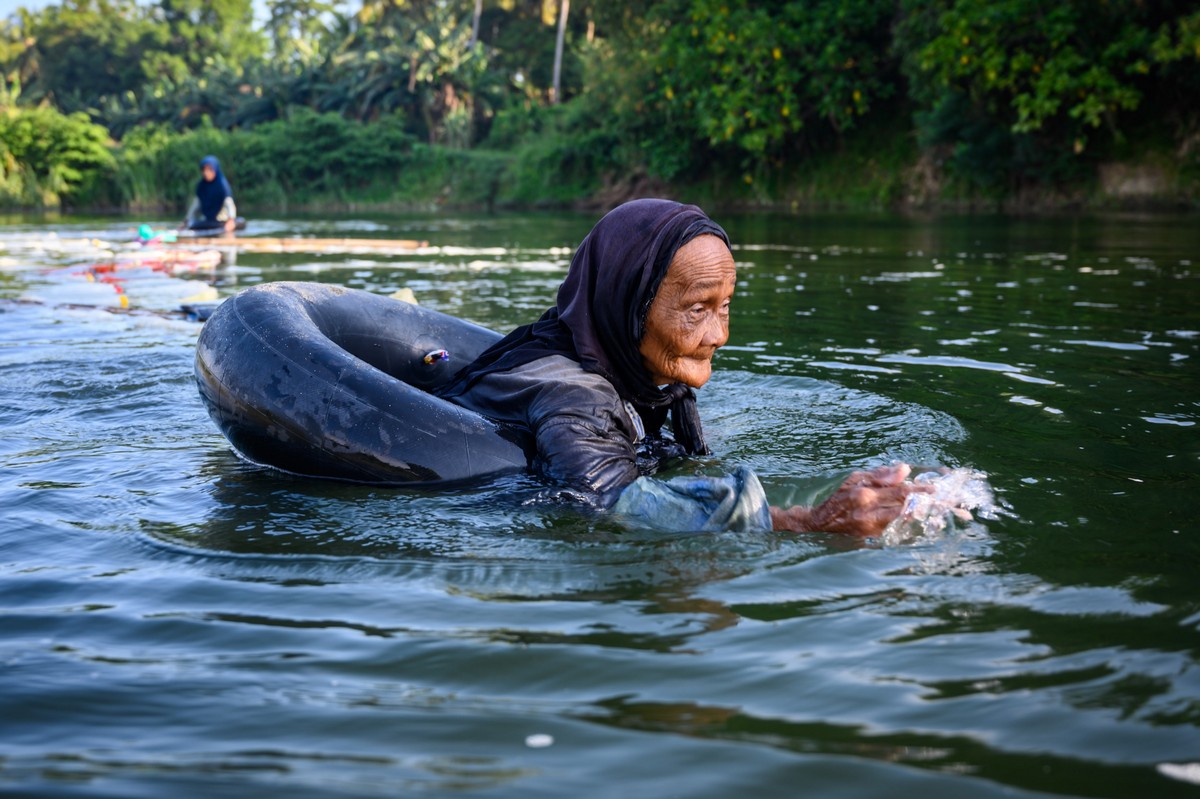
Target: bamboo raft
(298, 245)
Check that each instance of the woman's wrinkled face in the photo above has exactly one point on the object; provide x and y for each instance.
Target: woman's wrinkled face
(689, 317)
(208, 172)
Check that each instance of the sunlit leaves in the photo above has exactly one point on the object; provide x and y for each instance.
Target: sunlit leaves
(46, 155)
(1019, 91)
(1071, 64)
(741, 81)
(753, 75)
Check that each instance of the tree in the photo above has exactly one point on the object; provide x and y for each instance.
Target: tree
(748, 79)
(1017, 89)
(475, 22)
(205, 31)
(413, 56)
(298, 29)
(564, 8)
(83, 51)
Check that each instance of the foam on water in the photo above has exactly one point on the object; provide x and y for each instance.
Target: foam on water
(959, 495)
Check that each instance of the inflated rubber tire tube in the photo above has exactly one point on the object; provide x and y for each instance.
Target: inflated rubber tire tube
(325, 381)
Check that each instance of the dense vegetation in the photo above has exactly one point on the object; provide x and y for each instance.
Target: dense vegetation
(111, 102)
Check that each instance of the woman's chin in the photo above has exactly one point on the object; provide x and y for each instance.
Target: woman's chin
(695, 374)
(690, 372)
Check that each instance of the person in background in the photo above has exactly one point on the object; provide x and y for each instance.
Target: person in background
(213, 205)
(644, 306)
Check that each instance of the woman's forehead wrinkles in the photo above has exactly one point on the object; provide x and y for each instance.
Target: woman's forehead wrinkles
(700, 276)
(702, 288)
(706, 285)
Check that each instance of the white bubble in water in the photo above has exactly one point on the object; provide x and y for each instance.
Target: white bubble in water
(958, 495)
(1186, 772)
(539, 740)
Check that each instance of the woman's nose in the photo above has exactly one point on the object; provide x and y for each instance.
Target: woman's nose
(716, 332)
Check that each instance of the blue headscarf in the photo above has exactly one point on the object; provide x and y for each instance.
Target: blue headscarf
(212, 193)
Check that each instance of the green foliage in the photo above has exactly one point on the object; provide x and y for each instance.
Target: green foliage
(78, 53)
(297, 30)
(284, 162)
(749, 81)
(86, 55)
(1175, 56)
(1019, 90)
(520, 37)
(320, 153)
(416, 58)
(47, 158)
(1037, 59)
(203, 31)
(1178, 40)
(754, 77)
(329, 99)
(561, 153)
(433, 176)
(867, 171)
(224, 96)
(659, 137)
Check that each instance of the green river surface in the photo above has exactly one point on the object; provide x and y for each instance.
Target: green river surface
(176, 622)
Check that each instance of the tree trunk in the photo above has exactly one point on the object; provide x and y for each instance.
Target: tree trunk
(475, 23)
(564, 8)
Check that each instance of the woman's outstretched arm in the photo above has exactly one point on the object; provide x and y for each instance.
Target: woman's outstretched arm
(865, 504)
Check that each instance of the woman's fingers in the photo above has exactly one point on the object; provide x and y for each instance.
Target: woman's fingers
(889, 475)
(865, 503)
(869, 500)
(881, 477)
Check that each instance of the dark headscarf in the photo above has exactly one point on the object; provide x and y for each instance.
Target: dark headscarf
(212, 193)
(600, 314)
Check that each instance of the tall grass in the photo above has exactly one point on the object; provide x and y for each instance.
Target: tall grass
(310, 160)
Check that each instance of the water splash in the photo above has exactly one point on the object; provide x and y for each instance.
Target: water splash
(959, 495)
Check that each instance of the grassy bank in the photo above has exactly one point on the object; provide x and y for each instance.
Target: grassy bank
(874, 169)
(324, 162)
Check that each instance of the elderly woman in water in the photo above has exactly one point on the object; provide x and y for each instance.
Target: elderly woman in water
(643, 308)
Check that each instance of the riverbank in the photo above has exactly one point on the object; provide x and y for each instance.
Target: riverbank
(871, 168)
(323, 163)
(850, 180)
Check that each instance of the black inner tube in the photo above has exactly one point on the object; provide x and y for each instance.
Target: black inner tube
(325, 381)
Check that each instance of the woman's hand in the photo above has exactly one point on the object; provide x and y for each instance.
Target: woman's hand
(230, 225)
(865, 504)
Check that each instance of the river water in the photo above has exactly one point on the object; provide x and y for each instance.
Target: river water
(177, 622)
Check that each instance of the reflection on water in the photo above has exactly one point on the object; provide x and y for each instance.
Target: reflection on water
(177, 621)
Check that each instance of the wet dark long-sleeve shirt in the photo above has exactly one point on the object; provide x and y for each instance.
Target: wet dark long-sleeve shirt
(590, 440)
